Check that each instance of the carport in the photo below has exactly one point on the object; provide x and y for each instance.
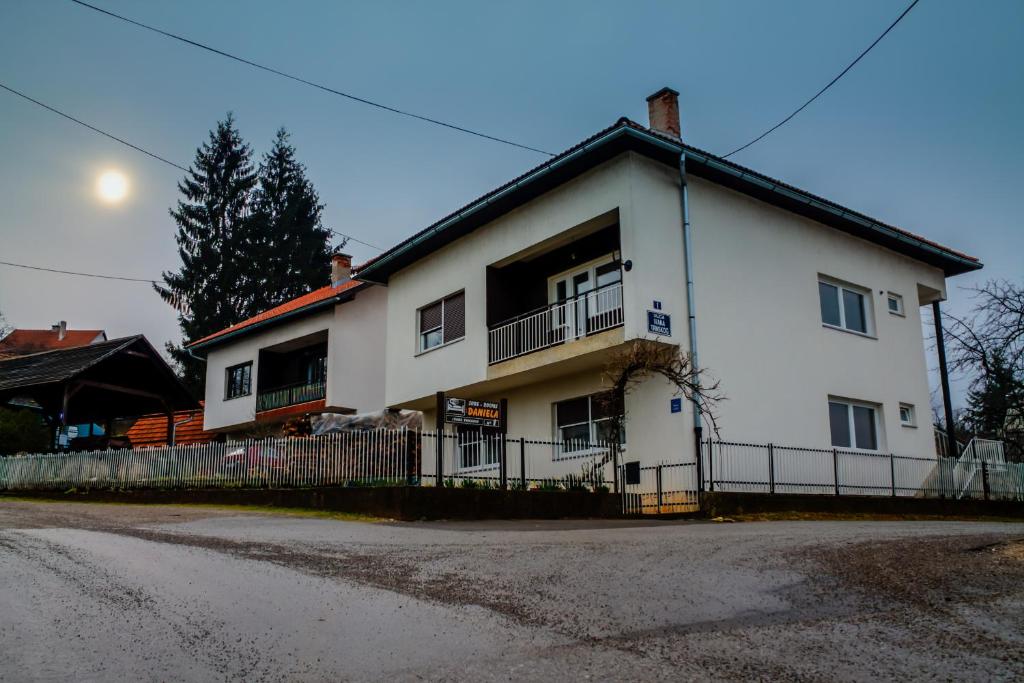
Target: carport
(123, 377)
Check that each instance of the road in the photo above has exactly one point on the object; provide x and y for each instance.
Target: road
(156, 593)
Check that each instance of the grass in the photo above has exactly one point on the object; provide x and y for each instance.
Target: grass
(254, 509)
(858, 517)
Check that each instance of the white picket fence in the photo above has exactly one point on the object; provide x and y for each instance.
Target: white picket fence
(348, 458)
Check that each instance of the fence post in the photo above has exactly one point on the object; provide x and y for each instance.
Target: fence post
(615, 468)
(711, 467)
(503, 479)
(522, 461)
(835, 468)
(771, 468)
(984, 479)
(658, 474)
(892, 473)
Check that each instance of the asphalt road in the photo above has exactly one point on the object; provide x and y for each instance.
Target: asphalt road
(114, 592)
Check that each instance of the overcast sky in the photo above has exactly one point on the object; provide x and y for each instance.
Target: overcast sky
(924, 133)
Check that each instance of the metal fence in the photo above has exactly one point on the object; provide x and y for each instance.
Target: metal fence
(979, 473)
(382, 456)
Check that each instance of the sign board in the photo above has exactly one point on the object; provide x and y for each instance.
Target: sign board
(465, 411)
(659, 323)
(676, 405)
(633, 472)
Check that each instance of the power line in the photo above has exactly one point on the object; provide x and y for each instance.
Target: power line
(73, 272)
(92, 128)
(313, 84)
(816, 95)
(140, 149)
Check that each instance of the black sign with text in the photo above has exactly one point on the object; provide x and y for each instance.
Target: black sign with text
(465, 411)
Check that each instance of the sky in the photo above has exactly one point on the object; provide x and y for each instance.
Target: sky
(925, 132)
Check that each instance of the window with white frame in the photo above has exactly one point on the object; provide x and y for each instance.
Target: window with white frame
(844, 306)
(585, 423)
(477, 448)
(238, 380)
(853, 424)
(894, 302)
(907, 417)
(442, 322)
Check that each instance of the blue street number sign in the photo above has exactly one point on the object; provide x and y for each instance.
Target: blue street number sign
(676, 405)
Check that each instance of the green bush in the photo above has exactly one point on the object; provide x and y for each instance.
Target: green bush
(22, 431)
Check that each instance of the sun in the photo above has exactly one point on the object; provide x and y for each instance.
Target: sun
(112, 186)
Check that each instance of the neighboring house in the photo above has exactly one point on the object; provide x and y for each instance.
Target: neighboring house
(25, 342)
(320, 352)
(807, 312)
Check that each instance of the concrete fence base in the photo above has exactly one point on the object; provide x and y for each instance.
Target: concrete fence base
(724, 504)
(399, 502)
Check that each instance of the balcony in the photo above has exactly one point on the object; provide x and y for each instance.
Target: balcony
(574, 318)
(290, 395)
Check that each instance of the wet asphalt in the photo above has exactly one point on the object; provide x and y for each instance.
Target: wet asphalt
(162, 593)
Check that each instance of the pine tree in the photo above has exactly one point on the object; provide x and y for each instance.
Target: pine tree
(215, 284)
(292, 246)
(994, 395)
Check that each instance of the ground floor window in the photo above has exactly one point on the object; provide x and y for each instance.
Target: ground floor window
(476, 447)
(585, 422)
(853, 425)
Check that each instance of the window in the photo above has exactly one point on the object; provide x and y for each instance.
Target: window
(853, 425)
(585, 422)
(442, 322)
(476, 447)
(239, 381)
(907, 418)
(895, 303)
(843, 307)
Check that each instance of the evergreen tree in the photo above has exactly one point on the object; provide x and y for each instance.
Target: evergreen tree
(292, 246)
(994, 395)
(215, 285)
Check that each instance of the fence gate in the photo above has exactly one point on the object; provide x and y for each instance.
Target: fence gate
(658, 489)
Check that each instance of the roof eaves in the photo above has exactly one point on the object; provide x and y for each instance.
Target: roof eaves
(343, 295)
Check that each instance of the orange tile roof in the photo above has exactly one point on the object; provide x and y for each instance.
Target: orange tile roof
(25, 342)
(151, 430)
(296, 304)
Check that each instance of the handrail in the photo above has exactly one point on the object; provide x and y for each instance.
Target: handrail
(541, 309)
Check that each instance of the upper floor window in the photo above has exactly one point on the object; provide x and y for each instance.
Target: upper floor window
(895, 303)
(238, 381)
(442, 322)
(853, 425)
(907, 417)
(844, 306)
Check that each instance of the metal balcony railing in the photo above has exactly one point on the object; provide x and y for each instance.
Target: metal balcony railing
(579, 316)
(290, 395)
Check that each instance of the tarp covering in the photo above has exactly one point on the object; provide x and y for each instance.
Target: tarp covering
(328, 423)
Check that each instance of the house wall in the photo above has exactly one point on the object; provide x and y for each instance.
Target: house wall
(756, 270)
(759, 324)
(224, 413)
(355, 352)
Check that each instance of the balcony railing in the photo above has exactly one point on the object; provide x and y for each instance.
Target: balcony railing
(290, 395)
(580, 316)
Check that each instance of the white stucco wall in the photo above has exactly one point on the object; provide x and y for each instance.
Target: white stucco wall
(760, 332)
(355, 359)
(759, 324)
(355, 352)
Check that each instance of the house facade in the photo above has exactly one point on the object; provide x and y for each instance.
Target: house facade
(321, 352)
(805, 312)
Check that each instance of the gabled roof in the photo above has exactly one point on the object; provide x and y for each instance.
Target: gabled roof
(58, 365)
(626, 135)
(301, 305)
(23, 342)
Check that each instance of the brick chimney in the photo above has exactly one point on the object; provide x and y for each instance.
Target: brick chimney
(663, 112)
(61, 329)
(341, 268)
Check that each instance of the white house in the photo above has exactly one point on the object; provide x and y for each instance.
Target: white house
(320, 352)
(807, 312)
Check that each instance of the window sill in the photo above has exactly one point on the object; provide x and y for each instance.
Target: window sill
(908, 425)
(898, 314)
(478, 468)
(232, 398)
(439, 346)
(584, 453)
(847, 331)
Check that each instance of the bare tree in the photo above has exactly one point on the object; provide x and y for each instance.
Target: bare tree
(642, 359)
(5, 327)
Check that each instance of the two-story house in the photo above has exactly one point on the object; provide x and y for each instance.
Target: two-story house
(320, 352)
(807, 312)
